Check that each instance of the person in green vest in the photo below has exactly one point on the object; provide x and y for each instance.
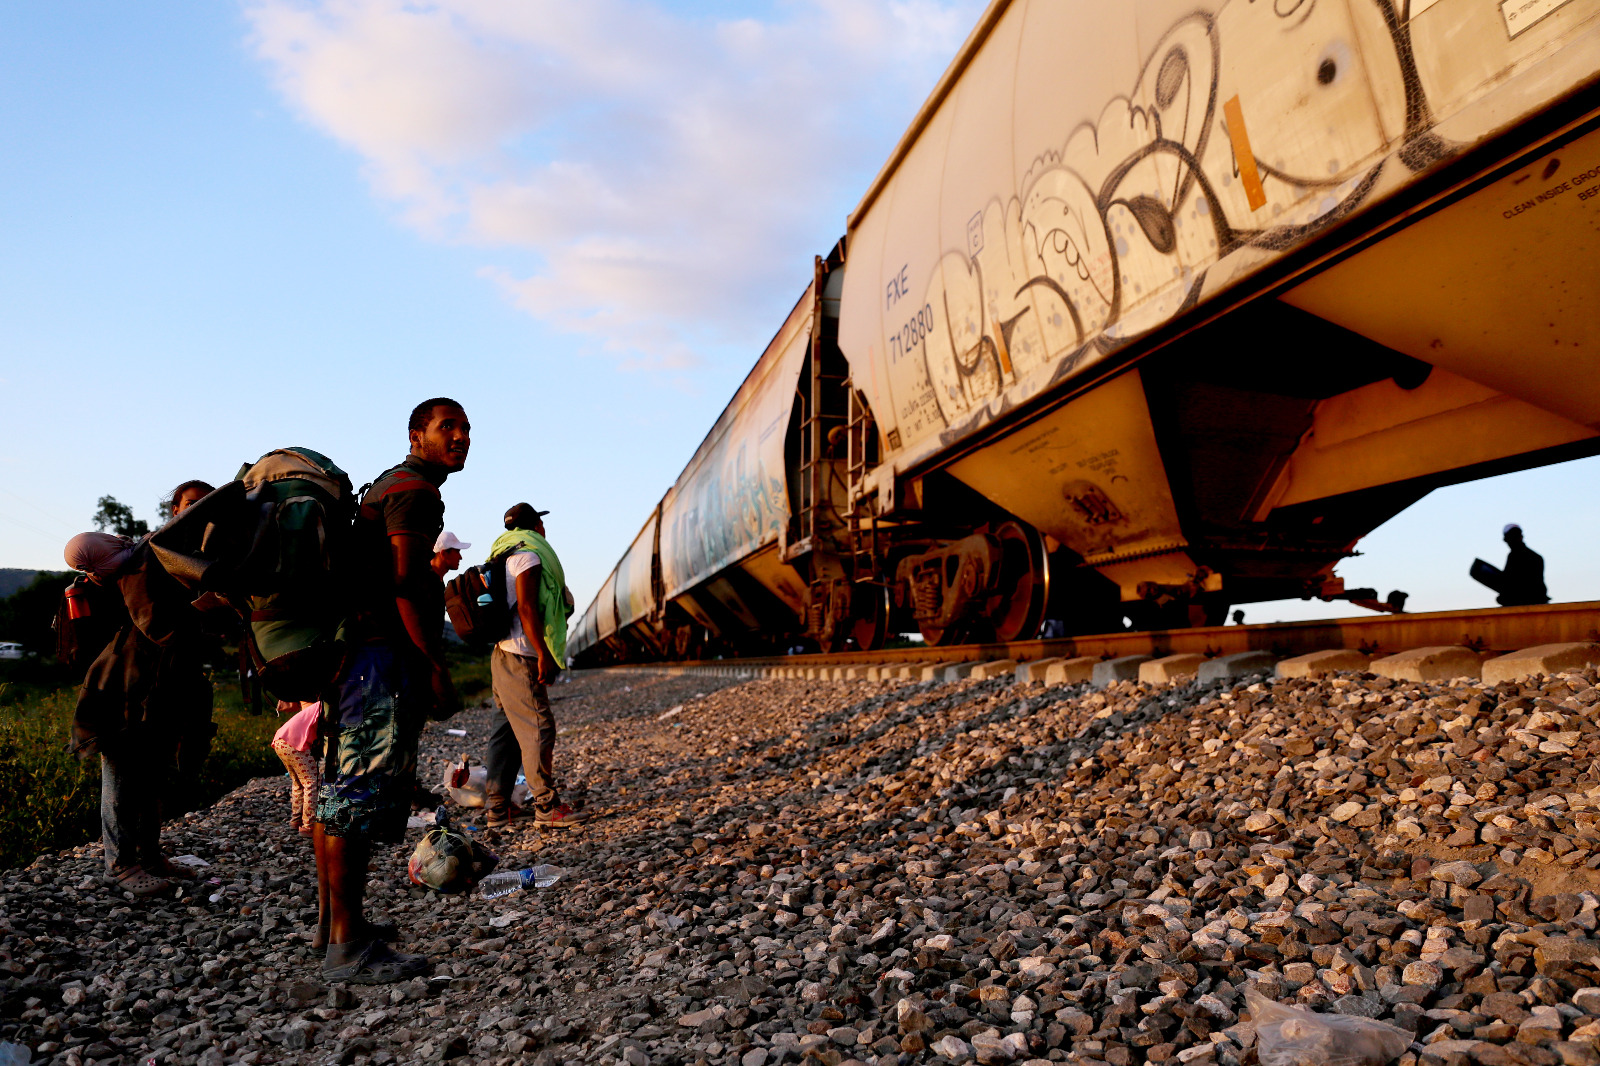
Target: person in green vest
(522, 664)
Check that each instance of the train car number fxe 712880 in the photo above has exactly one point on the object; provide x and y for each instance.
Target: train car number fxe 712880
(911, 334)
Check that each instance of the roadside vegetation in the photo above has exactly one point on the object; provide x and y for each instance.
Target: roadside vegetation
(50, 800)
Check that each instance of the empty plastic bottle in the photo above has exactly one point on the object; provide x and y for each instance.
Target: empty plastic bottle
(505, 882)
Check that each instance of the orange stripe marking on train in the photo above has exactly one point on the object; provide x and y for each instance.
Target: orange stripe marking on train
(1255, 195)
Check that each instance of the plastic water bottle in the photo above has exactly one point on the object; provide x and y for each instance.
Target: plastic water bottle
(505, 882)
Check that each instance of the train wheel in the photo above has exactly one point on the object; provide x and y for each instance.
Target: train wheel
(869, 615)
(1024, 583)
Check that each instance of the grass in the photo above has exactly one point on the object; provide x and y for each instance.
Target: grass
(470, 672)
(50, 800)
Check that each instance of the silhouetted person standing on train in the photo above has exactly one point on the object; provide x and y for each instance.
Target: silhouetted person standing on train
(1521, 582)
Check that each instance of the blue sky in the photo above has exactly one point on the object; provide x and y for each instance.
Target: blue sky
(231, 228)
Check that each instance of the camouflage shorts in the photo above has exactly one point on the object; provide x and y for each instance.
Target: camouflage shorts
(370, 739)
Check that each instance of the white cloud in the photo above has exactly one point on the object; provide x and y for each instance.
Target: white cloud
(672, 171)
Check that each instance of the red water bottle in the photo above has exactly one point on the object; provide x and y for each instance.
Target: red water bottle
(77, 601)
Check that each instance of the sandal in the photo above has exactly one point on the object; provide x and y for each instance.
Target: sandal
(134, 879)
(372, 963)
(387, 932)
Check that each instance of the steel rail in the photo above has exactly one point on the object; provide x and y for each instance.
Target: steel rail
(1493, 630)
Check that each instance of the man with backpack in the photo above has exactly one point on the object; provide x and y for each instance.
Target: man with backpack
(396, 677)
(527, 660)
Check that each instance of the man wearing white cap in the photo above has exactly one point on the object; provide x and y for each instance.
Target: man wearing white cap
(447, 553)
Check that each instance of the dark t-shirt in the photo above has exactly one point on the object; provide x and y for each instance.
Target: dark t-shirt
(404, 499)
(1524, 580)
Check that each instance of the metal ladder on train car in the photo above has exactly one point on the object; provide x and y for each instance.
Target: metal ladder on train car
(861, 519)
(826, 410)
(823, 533)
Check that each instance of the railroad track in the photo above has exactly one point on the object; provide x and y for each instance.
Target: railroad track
(1467, 636)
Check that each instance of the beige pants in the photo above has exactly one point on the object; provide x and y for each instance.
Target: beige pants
(523, 734)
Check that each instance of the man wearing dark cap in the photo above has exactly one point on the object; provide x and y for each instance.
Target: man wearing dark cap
(1521, 583)
(1524, 572)
(522, 665)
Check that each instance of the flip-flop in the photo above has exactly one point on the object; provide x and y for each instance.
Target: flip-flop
(134, 879)
(372, 963)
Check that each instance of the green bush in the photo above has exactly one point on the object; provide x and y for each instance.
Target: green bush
(52, 800)
(469, 670)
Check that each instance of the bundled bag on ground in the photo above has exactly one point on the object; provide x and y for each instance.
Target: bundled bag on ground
(447, 860)
(274, 544)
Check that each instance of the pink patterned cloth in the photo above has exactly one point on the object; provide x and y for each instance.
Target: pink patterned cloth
(304, 782)
(299, 731)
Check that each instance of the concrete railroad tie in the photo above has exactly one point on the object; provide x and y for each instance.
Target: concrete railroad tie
(1437, 663)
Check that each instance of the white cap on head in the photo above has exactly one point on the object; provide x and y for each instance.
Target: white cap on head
(448, 540)
(1509, 527)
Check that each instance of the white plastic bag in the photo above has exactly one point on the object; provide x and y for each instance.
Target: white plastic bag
(471, 792)
(1293, 1036)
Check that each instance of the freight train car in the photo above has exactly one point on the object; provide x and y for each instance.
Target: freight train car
(1158, 308)
(706, 573)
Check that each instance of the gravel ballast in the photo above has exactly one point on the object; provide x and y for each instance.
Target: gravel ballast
(897, 872)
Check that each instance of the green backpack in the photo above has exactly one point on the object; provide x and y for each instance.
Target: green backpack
(295, 582)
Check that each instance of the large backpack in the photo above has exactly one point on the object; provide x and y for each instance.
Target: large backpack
(295, 584)
(274, 543)
(476, 603)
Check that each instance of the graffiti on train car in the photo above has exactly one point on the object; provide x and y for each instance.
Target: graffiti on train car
(729, 506)
(635, 596)
(1114, 232)
(732, 499)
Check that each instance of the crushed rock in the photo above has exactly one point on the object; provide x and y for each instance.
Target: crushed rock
(884, 872)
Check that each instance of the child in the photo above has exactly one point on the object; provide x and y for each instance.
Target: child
(293, 742)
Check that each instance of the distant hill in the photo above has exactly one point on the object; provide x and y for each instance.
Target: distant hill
(12, 581)
(26, 612)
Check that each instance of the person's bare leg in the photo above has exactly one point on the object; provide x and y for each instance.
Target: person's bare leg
(347, 885)
(324, 913)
